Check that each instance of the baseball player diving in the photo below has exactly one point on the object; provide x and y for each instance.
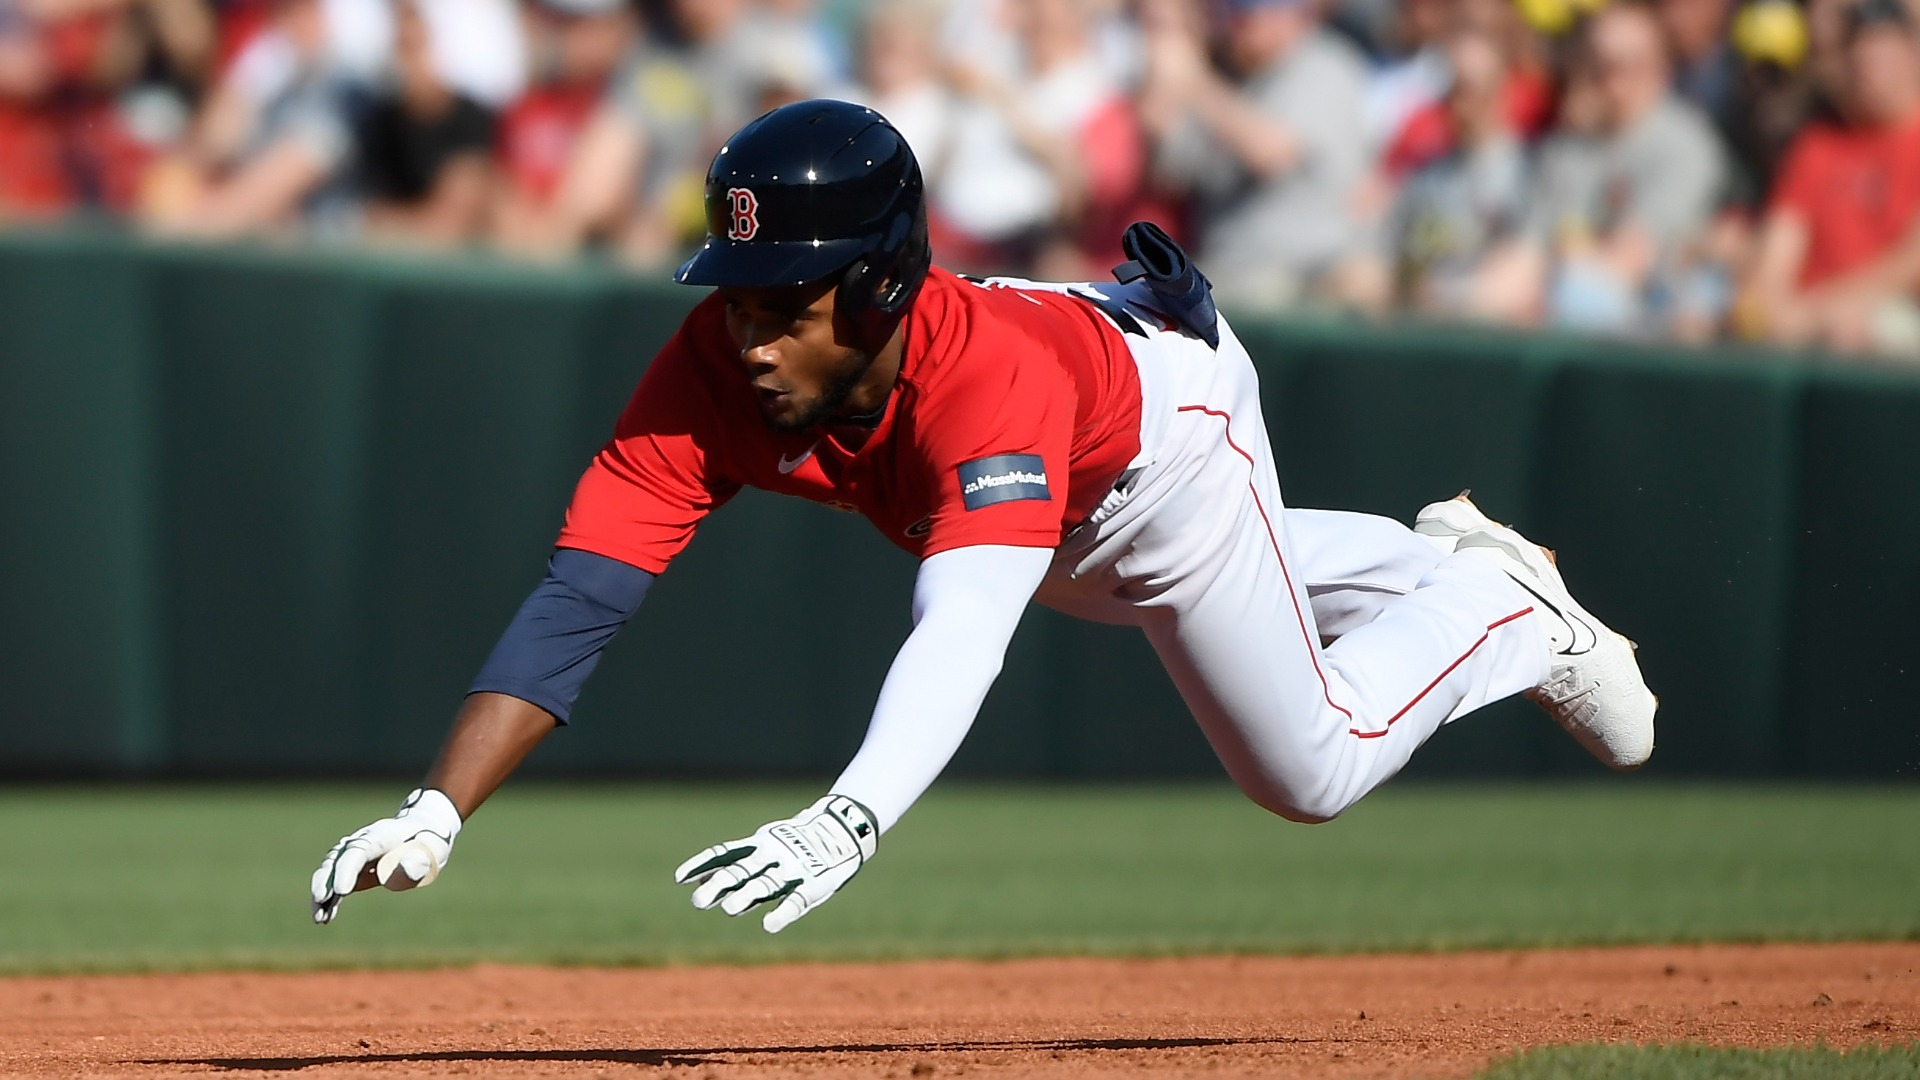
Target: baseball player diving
(1098, 448)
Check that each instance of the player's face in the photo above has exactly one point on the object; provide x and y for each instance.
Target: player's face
(801, 369)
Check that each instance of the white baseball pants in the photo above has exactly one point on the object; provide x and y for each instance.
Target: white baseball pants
(1316, 649)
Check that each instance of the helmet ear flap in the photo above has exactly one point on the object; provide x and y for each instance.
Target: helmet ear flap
(855, 295)
(912, 259)
(858, 297)
(877, 287)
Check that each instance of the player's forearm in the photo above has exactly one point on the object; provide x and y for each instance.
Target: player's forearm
(967, 603)
(492, 734)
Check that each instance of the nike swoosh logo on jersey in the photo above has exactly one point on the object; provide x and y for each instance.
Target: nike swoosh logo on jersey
(1584, 639)
(788, 464)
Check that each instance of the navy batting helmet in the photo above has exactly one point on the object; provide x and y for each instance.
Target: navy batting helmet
(812, 190)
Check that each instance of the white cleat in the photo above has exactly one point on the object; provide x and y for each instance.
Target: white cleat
(1594, 688)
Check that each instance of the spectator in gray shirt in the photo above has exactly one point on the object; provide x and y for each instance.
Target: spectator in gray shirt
(1272, 161)
(1452, 212)
(274, 146)
(1624, 188)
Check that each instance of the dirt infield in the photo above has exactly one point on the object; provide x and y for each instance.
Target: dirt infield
(1373, 1016)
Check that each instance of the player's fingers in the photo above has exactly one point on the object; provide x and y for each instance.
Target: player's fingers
(754, 891)
(717, 884)
(354, 856)
(724, 880)
(321, 888)
(705, 863)
(785, 913)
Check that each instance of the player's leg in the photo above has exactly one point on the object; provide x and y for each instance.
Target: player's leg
(1219, 588)
(1354, 564)
(1306, 732)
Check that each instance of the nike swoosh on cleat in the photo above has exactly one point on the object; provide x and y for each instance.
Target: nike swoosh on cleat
(1584, 638)
(787, 464)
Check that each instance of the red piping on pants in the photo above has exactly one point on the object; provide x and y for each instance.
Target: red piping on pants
(1313, 650)
(1357, 733)
(1300, 617)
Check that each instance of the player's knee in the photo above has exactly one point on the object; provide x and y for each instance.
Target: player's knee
(1301, 807)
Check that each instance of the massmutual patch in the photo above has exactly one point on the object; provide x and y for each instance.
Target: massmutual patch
(1003, 478)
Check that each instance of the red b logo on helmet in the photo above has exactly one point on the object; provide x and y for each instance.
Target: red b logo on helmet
(745, 219)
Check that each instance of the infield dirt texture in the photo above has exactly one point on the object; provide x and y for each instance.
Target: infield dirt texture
(1046, 890)
(1371, 1016)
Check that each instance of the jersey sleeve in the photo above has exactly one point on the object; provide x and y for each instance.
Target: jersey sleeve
(662, 472)
(996, 448)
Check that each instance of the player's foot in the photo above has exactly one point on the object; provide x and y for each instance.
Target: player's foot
(1444, 523)
(1593, 688)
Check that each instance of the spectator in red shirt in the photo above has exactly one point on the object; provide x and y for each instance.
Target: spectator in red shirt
(553, 198)
(1839, 259)
(88, 91)
(33, 181)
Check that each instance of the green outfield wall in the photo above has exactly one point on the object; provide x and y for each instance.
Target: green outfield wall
(266, 513)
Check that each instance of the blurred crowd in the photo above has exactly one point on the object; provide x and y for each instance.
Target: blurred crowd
(1681, 169)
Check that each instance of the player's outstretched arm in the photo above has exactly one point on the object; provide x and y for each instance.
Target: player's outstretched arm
(966, 604)
(527, 686)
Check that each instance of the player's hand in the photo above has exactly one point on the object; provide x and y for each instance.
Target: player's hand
(406, 850)
(793, 865)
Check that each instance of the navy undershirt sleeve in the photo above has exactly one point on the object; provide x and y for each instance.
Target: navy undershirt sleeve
(554, 642)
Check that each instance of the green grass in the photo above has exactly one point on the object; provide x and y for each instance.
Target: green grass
(1706, 1063)
(139, 878)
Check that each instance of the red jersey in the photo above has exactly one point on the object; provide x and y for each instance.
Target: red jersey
(34, 181)
(538, 133)
(1014, 413)
(1858, 190)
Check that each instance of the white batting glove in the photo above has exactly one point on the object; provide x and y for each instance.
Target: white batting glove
(795, 864)
(404, 851)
